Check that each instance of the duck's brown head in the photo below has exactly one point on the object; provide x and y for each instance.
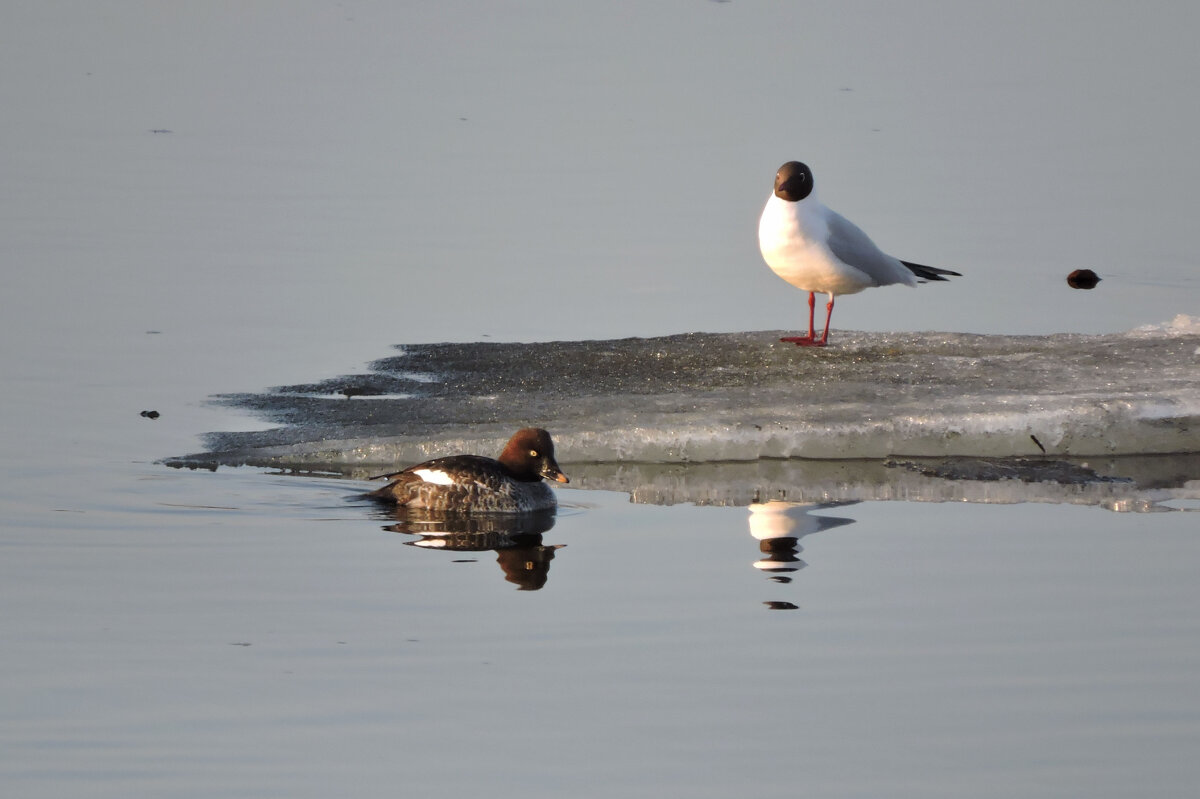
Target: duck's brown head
(529, 455)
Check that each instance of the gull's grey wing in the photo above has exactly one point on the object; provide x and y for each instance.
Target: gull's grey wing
(851, 245)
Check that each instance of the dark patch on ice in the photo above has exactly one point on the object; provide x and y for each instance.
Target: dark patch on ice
(1027, 470)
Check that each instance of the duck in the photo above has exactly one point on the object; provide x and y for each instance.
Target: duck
(512, 483)
(818, 250)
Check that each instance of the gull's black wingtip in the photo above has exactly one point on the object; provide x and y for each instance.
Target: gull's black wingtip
(929, 272)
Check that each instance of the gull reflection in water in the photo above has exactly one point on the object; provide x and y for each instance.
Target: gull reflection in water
(516, 538)
(779, 526)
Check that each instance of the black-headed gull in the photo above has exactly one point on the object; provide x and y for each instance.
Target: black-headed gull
(819, 250)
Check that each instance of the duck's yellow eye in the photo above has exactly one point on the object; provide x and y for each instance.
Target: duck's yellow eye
(533, 453)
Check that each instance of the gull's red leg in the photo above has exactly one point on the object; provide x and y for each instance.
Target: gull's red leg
(828, 316)
(808, 341)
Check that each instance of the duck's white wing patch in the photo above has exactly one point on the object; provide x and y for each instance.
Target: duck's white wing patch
(435, 476)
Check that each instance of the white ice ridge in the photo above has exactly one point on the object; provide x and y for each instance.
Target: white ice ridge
(1181, 325)
(744, 396)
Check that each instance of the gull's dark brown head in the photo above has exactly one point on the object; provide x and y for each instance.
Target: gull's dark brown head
(793, 182)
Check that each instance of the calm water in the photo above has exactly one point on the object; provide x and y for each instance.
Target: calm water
(342, 177)
(242, 633)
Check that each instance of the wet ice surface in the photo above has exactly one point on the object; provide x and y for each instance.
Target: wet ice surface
(739, 418)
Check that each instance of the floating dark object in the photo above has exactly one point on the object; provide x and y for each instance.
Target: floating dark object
(1083, 279)
(150, 414)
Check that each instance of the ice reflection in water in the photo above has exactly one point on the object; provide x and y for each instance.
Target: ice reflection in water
(516, 538)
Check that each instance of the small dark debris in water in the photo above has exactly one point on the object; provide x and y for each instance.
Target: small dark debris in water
(239, 643)
(781, 606)
(1039, 444)
(150, 414)
(161, 130)
(153, 332)
(1083, 279)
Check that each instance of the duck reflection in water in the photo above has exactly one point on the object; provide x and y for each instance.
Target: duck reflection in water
(516, 538)
(779, 526)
